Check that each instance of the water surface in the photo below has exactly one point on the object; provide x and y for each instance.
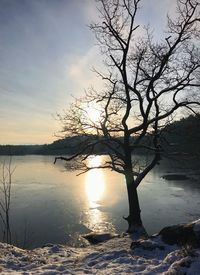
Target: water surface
(50, 204)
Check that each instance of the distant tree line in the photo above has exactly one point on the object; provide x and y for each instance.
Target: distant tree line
(179, 137)
(183, 136)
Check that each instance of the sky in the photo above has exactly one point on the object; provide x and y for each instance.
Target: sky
(46, 55)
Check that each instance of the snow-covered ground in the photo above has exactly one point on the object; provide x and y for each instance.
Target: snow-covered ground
(115, 256)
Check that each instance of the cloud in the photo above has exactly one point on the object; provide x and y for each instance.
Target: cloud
(46, 54)
(90, 11)
(154, 13)
(80, 70)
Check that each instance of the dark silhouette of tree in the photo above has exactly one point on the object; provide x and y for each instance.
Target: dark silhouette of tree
(5, 197)
(147, 84)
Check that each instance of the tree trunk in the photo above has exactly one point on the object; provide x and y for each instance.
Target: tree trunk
(134, 218)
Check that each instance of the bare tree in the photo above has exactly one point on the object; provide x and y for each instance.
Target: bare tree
(5, 197)
(147, 83)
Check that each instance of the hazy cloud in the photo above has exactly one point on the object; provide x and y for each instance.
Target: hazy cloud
(46, 54)
(80, 70)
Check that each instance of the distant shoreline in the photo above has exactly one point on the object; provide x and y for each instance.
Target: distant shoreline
(180, 138)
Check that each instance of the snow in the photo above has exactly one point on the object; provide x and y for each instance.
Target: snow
(196, 227)
(115, 256)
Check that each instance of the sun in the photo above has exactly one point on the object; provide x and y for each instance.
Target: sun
(94, 114)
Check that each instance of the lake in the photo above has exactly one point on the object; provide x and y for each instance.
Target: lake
(50, 204)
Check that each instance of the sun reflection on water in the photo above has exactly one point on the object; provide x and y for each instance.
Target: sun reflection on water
(95, 182)
(94, 218)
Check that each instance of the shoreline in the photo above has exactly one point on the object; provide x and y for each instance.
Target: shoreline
(120, 255)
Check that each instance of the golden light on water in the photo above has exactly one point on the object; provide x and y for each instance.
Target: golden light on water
(95, 187)
(95, 182)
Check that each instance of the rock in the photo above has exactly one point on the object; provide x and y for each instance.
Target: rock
(146, 245)
(175, 177)
(185, 234)
(95, 238)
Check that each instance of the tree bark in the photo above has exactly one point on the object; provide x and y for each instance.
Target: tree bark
(134, 218)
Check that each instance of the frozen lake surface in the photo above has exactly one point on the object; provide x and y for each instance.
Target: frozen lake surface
(52, 205)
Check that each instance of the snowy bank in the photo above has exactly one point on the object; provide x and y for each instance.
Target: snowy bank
(120, 255)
